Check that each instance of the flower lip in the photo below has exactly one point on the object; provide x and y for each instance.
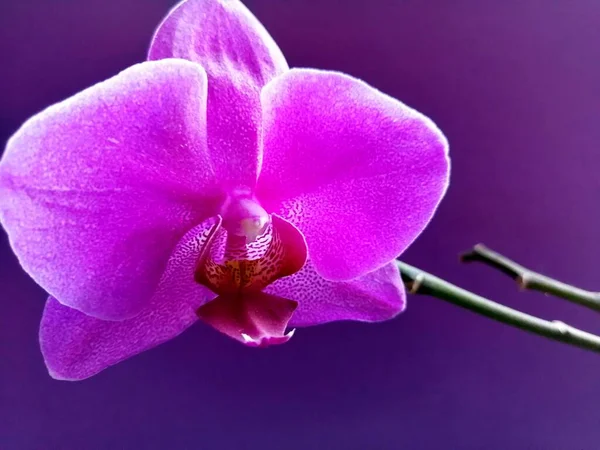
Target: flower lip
(238, 271)
(256, 320)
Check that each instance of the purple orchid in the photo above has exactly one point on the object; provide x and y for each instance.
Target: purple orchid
(213, 182)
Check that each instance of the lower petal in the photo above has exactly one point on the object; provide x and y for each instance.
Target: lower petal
(374, 297)
(76, 346)
(255, 319)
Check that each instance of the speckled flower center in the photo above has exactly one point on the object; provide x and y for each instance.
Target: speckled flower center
(246, 254)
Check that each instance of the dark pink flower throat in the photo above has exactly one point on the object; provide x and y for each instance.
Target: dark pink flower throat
(249, 250)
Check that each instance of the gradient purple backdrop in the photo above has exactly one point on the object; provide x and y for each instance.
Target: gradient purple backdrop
(515, 85)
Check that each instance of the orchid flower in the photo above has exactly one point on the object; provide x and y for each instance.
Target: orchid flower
(212, 183)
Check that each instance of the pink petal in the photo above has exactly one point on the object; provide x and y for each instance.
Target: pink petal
(96, 191)
(76, 346)
(255, 319)
(240, 58)
(359, 173)
(374, 297)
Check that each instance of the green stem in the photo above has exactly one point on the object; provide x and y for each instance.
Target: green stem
(528, 279)
(420, 282)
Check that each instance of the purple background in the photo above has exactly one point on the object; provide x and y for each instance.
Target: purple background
(516, 87)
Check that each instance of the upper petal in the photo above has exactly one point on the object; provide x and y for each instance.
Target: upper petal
(240, 58)
(358, 172)
(76, 346)
(374, 297)
(96, 191)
